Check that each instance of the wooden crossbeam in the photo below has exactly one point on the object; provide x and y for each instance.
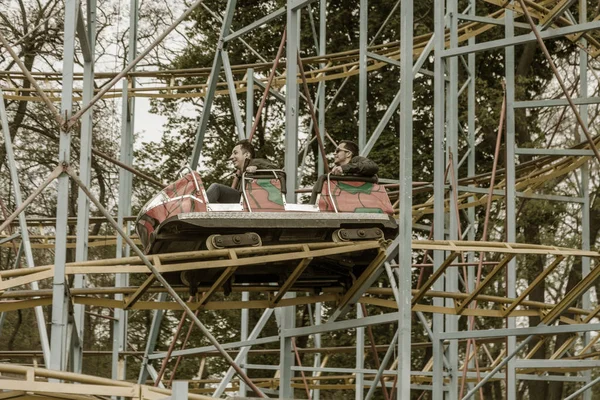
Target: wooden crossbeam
(23, 280)
(131, 300)
(229, 271)
(581, 287)
(291, 279)
(434, 277)
(589, 346)
(488, 279)
(24, 304)
(592, 314)
(535, 348)
(359, 285)
(533, 285)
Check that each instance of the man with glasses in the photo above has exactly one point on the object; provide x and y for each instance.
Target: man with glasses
(348, 162)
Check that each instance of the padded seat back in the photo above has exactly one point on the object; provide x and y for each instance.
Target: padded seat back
(264, 191)
(351, 194)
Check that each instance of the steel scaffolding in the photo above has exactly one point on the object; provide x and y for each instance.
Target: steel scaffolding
(447, 304)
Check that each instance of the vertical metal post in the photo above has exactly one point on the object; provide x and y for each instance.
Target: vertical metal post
(291, 101)
(245, 315)
(471, 158)
(125, 184)
(286, 357)
(362, 74)
(212, 85)
(321, 94)
(180, 390)
(85, 166)
(359, 382)
(26, 244)
(249, 100)
(511, 391)
(585, 178)
(152, 339)
(59, 293)
(316, 393)
(452, 151)
(244, 350)
(235, 105)
(405, 196)
(438, 187)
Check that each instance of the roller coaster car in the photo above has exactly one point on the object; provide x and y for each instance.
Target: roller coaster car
(342, 208)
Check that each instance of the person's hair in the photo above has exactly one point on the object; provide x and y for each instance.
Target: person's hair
(246, 147)
(351, 147)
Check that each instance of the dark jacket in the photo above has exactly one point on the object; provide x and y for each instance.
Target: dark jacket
(259, 163)
(360, 166)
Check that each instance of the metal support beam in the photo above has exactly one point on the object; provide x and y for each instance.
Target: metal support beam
(26, 243)
(256, 24)
(438, 185)
(242, 355)
(209, 336)
(286, 354)
(585, 183)
(511, 212)
(362, 74)
(87, 46)
(60, 303)
(359, 381)
(85, 167)
(291, 101)
(405, 196)
(235, 105)
(249, 101)
(125, 186)
(510, 41)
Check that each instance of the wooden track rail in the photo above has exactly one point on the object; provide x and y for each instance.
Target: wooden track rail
(176, 83)
(14, 297)
(18, 382)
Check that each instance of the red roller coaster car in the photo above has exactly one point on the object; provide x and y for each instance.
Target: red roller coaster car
(342, 208)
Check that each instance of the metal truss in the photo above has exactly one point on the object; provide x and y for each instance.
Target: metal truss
(471, 280)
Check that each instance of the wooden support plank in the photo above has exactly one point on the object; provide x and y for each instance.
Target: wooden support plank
(573, 294)
(558, 353)
(589, 346)
(215, 305)
(434, 277)
(592, 314)
(291, 279)
(540, 278)
(229, 271)
(24, 280)
(496, 247)
(488, 279)
(11, 395)
(56, 388)
(535, 348)
(212, 264)
(359, 284)
(216, 254)
(12, 273)
(24, 304)
(131, 300)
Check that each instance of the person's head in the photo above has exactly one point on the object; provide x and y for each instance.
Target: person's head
(344, 152)
(242, 151)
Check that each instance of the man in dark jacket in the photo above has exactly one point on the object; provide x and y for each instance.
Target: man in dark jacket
(348, 162)
(243, 159)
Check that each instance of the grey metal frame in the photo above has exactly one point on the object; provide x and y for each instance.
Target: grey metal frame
(444, 332)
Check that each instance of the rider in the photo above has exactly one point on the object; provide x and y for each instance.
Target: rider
(243, 160)
(348, 162)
